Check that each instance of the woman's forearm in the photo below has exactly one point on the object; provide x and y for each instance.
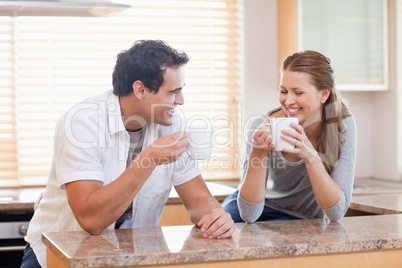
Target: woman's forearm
(253, 187)
(326, 191)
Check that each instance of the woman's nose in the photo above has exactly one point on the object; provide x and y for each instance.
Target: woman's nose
(289, 99)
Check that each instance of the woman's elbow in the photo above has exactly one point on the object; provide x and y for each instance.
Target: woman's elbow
(250, 212)
(249, 217)
(334, 217)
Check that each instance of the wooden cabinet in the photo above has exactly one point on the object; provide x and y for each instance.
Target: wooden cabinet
(174, 214)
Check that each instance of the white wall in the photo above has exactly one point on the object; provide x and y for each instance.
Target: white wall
(375, 112)
(398, 72)
(260, 68)
(360, 104)
(261, 74)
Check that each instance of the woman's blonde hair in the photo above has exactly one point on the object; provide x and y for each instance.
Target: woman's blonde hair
(329, 136)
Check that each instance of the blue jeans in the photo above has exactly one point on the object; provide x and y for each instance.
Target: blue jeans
(29, 259)
(268, 214)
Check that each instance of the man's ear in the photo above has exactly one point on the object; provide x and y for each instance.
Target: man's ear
(139, 89)
(325, 95)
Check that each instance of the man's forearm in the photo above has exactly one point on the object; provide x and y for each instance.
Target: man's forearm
(96, 206)
(202, 207)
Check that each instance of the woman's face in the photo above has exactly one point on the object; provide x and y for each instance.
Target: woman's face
(300, 98)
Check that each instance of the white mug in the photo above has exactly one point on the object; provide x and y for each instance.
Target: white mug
(277, 125)
(200, 142)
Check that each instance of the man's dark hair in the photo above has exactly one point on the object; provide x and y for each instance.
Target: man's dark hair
(145, 61)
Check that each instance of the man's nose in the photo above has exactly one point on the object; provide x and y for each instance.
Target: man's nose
(179, 100)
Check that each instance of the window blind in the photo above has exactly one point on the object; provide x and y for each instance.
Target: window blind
(353, 34)
(48, 64)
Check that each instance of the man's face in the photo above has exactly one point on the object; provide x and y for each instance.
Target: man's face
(161, 106)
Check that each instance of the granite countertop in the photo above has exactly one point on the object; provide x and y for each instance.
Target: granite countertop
(19, 199)
(380, 204)
(372, 196)
(185, 244)
(364, 186)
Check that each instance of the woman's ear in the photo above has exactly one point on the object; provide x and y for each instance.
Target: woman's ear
(325, 95)
(138, 89)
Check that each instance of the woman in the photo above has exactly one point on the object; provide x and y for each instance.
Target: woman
(314, 178)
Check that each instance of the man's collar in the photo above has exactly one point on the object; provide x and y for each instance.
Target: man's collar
(115, 118)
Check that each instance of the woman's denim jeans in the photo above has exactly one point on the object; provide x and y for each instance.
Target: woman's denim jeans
(268, 214)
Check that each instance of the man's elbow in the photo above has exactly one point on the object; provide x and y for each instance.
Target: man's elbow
(93, 231)
(90, 226)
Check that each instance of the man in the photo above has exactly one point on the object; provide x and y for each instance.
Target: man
(117, 155)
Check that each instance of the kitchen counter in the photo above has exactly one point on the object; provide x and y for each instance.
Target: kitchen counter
(369, 196)
(370, 241)
(379, 204)
(24, 198)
